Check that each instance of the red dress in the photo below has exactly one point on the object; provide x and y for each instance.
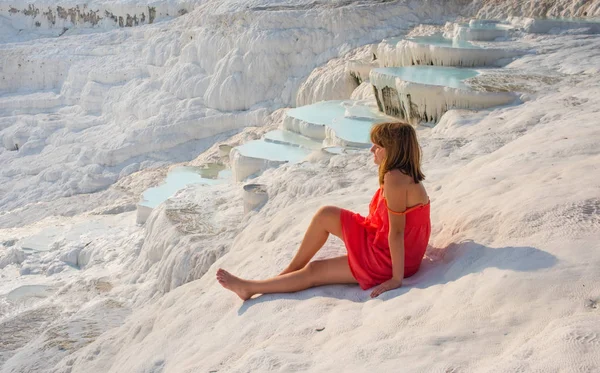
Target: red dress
(367, 241)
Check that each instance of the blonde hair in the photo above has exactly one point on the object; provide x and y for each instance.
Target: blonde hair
(402, 150)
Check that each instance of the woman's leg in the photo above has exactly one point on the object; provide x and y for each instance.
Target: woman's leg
(326, 220)
(317, 273)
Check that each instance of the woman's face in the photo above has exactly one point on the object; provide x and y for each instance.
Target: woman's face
(378, 154)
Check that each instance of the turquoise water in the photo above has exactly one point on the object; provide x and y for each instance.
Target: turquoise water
(288, 137)
(337, 150)
(487, 26)
(350, 123)
(442, 42)
(271, 151)
(432, 75)
(181, 177)
(362, 111)
(357, 127)
(321, 113)
(477, 22)
(353, 129)
(591, 20)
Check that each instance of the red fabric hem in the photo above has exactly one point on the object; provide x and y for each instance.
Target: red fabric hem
(346, 219)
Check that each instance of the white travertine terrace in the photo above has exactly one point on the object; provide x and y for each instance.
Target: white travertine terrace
(417, 100)
(430, 51)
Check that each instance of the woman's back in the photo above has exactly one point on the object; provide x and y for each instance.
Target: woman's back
(415, 192)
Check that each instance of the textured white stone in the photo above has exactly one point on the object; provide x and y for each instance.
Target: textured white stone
(416, 102)
(407, 53)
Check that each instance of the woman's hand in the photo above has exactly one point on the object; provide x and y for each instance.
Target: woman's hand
(390, 284)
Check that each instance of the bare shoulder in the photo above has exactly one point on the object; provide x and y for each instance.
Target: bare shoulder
(396, 178)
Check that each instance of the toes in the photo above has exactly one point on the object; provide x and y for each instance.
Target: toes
(221, 273)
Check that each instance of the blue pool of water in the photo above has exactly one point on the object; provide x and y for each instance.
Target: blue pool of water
(591, 20)
(487, 26)
(356, 125)
(337, 150)
(432, 75)
(443, 42)
(321, 113)
(272, 151)
(353, 129)
(181, 177)
(291, 138)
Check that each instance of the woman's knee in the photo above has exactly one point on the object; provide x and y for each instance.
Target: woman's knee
(328, 271)
(329, 218)
(314, 270)
(314, 266)
(328, 212)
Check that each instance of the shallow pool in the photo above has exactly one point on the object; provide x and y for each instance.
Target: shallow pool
(432, 75)
(181, 177)
(487, 25)
(356, 125)
(272, 151)
(583, 20)
(291, 138)
(320, 113)
(490, 27)
(338, 150)
(443, 42)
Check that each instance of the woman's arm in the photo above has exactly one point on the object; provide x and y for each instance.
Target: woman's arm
(395, 192)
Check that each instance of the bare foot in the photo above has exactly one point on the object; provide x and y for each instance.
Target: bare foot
(233, 283)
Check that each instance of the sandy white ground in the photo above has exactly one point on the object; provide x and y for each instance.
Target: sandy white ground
(510, 282)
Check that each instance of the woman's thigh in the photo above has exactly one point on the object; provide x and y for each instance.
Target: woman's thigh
(331, 271)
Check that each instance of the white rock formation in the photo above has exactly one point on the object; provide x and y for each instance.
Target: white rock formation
(492, 9)
(405, 52)
(330, 82)
(256, 156)
(417, 102)
(364, 92)
(543, 26)
(313, 130)
(479, 32)
(66, 14)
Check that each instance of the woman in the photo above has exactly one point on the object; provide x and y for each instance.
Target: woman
(383, 248)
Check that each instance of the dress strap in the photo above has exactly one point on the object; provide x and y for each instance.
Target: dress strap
(407, 210)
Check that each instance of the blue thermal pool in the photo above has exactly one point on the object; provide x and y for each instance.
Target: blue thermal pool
(291, 138)
(338, 150)
(272, 151)
(583, 20)
(432, 75)
(320, 113)
(181, 177)
(441, 41)
(356, 128)
(489, 25)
